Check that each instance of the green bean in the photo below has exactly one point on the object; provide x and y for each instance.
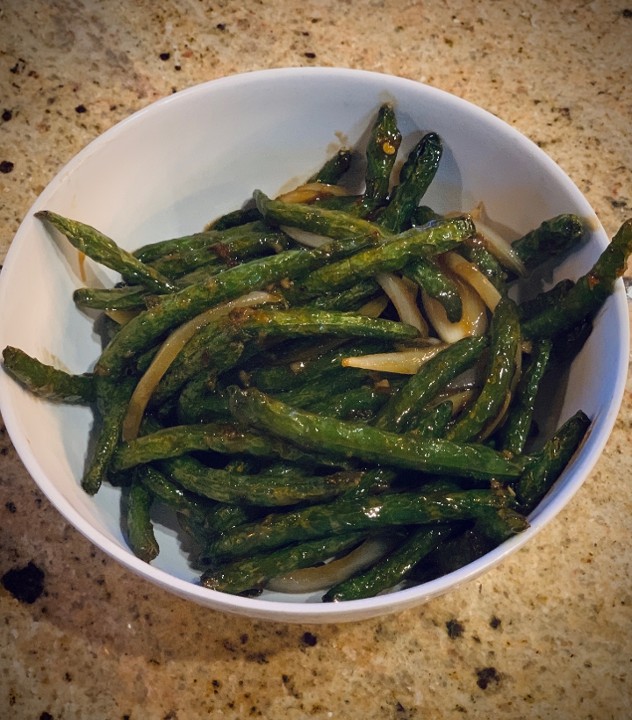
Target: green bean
(415, 177)
(309, 322)
(235, 218)
(46, 381)
(504, 346)
(174, 496)
(103, 250)
(140, 529)
(499, 524)
(129, 297)
(316, 368)
(252, 241)
(393, 254)
(546, 466)
(201, 401)
(381, 154)
(333, 169)
(368, 513)
(267, 489)
(375, 481)
(218, 437)
(112, 399)
(352, 298)
(255, 571)
(392, 569)
(567, 344)
(517, 426)
(434, 422)
(406, 405)
(333, 224)
(343, 439)
(431, 278)
(220, 519)
(544, 301)
(250, 232)
(319, 393)
(588, 294)
(355, 403)
(423, 215)
(161, 248)
(349, 204)
(552, 238)
(454, 553)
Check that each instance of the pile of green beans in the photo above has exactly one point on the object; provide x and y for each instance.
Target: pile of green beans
(275, 453)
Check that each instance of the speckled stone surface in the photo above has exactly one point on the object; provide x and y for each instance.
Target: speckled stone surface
(548, 634)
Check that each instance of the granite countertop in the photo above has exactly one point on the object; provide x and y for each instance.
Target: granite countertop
(547, 634)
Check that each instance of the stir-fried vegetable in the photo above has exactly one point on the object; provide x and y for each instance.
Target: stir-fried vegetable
(331, 389)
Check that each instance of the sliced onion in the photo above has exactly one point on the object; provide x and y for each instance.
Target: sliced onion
(374, 308)
(309, 192)
(121, 317)
(473, 277)
(81, 258)
(305, 237)
(458, 398)
(324, 576)
(403, 295)
(169, 351)
(403, 362)
(472, 377)
(496, 244)
(496, 422)
(473, 319)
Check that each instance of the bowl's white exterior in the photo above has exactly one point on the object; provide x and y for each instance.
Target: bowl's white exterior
(169, 169)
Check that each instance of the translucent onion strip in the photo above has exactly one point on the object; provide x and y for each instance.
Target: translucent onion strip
(473, 320)
(309, 239)
(121, 317)
(496, 243)
(324, 576)
(458, 398)
(473, 277)
(309, 192)
(169, 351)
(403, 362)
(495, 423)
(403, 295)
(374, 308)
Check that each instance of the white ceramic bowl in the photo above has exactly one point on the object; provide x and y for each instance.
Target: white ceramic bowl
(173, 166)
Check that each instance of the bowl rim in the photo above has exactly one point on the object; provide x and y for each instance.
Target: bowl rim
(312, 611)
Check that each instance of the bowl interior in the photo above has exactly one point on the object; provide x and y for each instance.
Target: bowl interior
(172, 167)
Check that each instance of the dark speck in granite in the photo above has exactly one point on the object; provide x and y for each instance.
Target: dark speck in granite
(309, 639)
(26, 584)
(486, 676)
(455, 628)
